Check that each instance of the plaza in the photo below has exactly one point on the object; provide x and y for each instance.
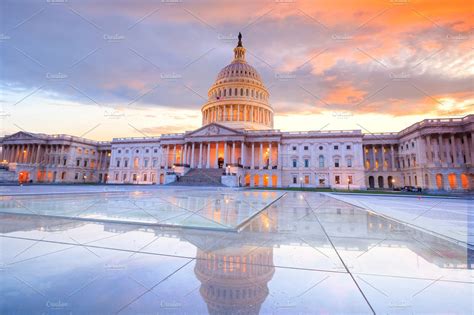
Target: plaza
(293, 253)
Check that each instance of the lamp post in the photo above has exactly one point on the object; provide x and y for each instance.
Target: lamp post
(301, 182)
(393, 183)
(348, 183)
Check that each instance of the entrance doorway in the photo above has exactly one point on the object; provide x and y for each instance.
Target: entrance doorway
(220, 162)
(23, 177)
(371, 182)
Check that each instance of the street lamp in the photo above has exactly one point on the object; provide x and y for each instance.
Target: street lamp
(301, 182)
(348, 183)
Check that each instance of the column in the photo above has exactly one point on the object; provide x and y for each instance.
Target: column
(37, 160)
(472, 148)
(242, 153)
(192, 155)
(260, 163)
(428, 144)
(392, 157)
(453, 149)
(233, 153)
(466, 149)
(200, 155)
(448, 154)
(279, 157)
(98, 162)
(225, 153)
(253, 155)
(270, 155)
(373, 157)
(167, 156)
(440, 148)
(11, 150)
(185, 160)
(216, 162)
(208, 155)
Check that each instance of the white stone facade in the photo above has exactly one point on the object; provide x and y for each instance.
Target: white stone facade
(238, 136)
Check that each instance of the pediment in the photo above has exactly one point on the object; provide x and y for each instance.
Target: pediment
(214, 130)
(21, 135)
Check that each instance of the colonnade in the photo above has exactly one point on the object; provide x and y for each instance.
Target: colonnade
(248, 113)
(215, 154)
(375, 157)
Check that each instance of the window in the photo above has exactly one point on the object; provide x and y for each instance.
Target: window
(137, 151)
(118, 163)
(348, 147)
(413, 144)
(305, 148)
(124, 177)
(320, 148)
(349, 162)
(294, 148)
(145, 162)
(64, 161)
(155, 151)
(144, 177)
(146, 151)
(349, 180)
(134, 177)
(295, 163)
(322, 181)
(78, 162)
(155, 162)
(336, 162)
(119, 151)
(85, 163)
(135, 162)
(321, 161)
(76, 176)
(306, 179)
(336, 147)
(337, 179)
(295, 180)
(306, 163)
(116, 176)
(125, 163)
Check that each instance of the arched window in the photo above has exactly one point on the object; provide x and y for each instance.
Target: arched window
(225, 92)
(230, 92)
(247, 92)
(321, 161)
(241, 92)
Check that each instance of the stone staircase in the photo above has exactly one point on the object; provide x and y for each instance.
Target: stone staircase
(201, 177)
(7, 177)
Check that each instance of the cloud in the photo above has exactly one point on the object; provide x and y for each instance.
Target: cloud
(340, 54)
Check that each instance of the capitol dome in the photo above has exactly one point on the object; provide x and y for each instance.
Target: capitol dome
(238, 98)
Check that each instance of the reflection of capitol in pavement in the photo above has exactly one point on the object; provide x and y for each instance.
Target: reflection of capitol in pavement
(234, 279)
(235, 269)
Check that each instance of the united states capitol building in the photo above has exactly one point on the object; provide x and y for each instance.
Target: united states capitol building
(237, 145)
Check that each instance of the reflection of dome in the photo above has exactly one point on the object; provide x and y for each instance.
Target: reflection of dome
(234, 280)
(238, 98)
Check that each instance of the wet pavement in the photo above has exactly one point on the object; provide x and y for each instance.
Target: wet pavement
(306, 253)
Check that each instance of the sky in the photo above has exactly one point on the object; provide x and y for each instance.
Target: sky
(109, 69)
